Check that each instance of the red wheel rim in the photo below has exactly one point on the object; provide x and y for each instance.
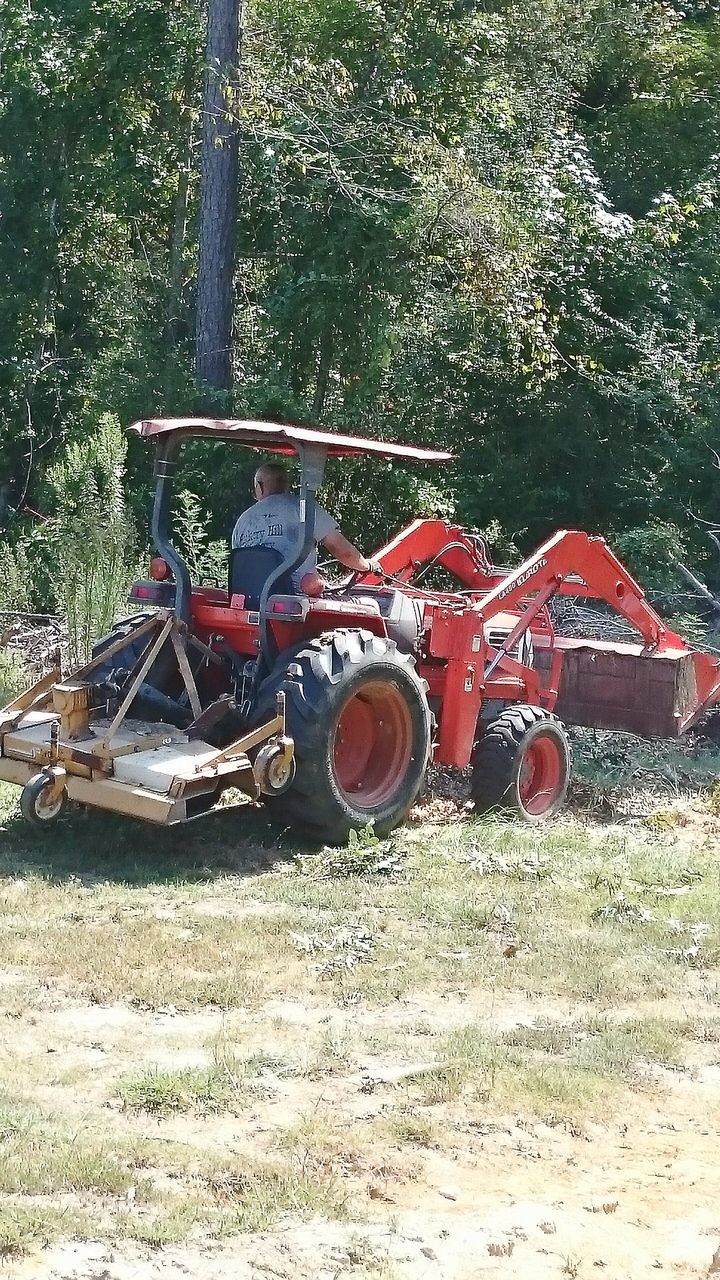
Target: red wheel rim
(372, 745)
(541, 775)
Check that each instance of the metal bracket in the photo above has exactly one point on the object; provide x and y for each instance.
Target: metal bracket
(521, 626)
(273, 728)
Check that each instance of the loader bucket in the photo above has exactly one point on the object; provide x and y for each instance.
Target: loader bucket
(621, 686)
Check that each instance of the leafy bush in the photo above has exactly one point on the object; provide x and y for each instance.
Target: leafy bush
(28, 568)
(94, 536)
(693, 629)
(205, 559)
(649, 552)
(15, 578)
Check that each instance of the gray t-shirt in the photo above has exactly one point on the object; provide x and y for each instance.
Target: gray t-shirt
(274, 522)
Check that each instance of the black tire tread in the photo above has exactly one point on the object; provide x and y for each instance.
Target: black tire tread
(312, 677)
(494, 755)
(28, 796)
(127, 656)
(163, 667)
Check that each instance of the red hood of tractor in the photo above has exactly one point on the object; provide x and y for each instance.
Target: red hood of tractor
(283, 438)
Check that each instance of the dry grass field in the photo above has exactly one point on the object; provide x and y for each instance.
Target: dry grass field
(475, 1049)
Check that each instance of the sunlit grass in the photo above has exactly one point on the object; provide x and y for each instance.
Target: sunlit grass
(490, 970)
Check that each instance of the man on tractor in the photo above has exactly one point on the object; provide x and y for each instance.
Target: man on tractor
(274, 522)
(329, 710)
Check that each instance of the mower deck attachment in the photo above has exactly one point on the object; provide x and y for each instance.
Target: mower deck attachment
(56, 751)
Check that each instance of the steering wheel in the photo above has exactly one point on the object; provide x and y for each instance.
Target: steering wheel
(350, 583)
(343, 588)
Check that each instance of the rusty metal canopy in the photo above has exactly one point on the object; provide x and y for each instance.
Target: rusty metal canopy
(284, 438)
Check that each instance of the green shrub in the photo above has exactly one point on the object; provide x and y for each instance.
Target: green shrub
(94, 537)
(15, 578)
(648, 553)
(206, 560)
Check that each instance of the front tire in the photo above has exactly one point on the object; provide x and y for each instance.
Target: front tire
(522, 764)
(37, 804)
(359, 717)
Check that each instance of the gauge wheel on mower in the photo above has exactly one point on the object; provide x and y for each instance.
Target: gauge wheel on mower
(358, 714)
(40, 803)
(522, 764)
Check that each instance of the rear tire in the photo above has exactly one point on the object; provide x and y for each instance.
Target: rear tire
(123, 660)
(522, 764)
(161, 676)
(359, 717)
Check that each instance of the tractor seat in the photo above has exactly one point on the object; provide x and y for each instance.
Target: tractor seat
(249, 570)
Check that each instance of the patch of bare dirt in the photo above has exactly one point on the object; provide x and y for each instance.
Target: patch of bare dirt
(507, 1196)
(621, 1202)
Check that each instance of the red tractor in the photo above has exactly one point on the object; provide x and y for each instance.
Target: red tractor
(329, 709)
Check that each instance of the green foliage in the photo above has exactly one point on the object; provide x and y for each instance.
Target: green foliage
(649, 553)
(94, 539)
(209, 1089)
(492, 227)
(503, 548)
(694, 629)
(365, 854)
(207, 560)
(28, 567)
(15, 578)
(87, 199)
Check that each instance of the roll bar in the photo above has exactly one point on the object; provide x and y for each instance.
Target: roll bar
(312, 458)
(165, 468)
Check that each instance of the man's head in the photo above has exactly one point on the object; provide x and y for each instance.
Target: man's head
(270, 478)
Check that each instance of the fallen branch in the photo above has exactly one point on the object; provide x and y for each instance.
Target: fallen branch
(31, 617)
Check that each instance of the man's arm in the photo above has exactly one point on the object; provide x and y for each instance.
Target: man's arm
(343, 550)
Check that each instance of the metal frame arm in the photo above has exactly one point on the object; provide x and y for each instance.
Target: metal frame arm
(424, 541)
(594, 571)
(165, 467)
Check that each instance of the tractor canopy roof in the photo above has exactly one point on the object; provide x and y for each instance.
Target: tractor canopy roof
(274, 437)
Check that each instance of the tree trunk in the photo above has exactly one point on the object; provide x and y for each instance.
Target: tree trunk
(218, 196)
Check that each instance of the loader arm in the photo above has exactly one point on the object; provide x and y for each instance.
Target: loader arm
(659, 689)
(582, 565)
(433, 541)
(657, 686)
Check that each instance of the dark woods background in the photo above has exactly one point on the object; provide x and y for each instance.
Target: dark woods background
(474, 223)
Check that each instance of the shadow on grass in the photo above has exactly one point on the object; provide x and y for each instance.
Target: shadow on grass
(610, 771)
(94, 846)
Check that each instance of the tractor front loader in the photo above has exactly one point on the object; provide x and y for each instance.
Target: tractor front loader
(329, 709)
